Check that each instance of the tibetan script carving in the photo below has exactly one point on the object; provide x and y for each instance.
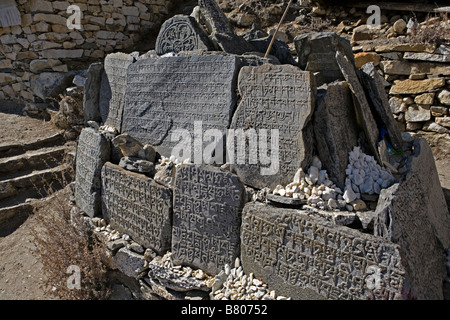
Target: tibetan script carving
(207, 217)
(136, 205)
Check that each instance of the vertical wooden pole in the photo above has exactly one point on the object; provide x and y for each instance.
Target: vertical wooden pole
(278, 28)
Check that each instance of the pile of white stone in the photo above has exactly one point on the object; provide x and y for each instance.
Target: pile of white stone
(239, 286)
(363, 175)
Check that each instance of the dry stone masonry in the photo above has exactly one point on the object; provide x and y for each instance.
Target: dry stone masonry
(313, 192)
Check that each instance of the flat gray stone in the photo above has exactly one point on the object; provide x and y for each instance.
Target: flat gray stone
(136, 205)
(130, 263)
(335, 129)
(275, 100)
(181, 33)
(285, 200)
(116, 65)
(373, 82)
(167, 97)
(207, 217)
(93, 151)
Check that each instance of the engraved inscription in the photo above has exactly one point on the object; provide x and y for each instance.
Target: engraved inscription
(172, 93)
(308, 254)
(136, 205)
(276, 97)
(207, 217)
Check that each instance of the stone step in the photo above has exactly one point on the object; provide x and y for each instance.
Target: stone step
(37, 184)
(12, 217)
(9, 150)
(30, 161)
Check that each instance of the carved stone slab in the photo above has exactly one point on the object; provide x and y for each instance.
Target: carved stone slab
(171, 94)
(304, 257)
(136, 205)
(207, 217)
(116, 65)
(181, 33)
(335, 129)
(93, 151)
(276, 99)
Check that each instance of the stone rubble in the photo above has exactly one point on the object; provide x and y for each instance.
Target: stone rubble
(236, 285)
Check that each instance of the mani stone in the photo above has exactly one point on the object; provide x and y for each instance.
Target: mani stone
(93, 151)
(166, 96)
(277, 104)
(138, 206)
(335, 129)
(91, 98)
(316, 53)
(116, 65)
(309, 258)
(206, 217)
(373, 82)
(364, 112)
(181, 33)
(414, 215)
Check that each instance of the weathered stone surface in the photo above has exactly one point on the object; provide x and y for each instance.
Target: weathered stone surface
(279, 49)
(378, 98)
(413, 47)
(444, 97)
(413, 214)
(276, 101)
(93, 151)
(207, 217)
(371, 131)
(116, 65)
(407, 67)
(181, 33)
(416, 113)
(137, 165)
(426, 98)
(335, 129)
(426, 57)
(416, 86)
(316, 53)
(222, 34)
(50, 84)
(91, 97)
(443, 121)
(172, 280)
(304, 257)
(129, 262)
(180, 97)
(136, 205)
(129, 146)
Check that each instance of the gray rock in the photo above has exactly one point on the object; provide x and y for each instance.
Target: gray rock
(116, 65)
(221, 32)
(285, 200)
(365, 115)
(49, 84)
(335, 129)
(181, 33)
(275, 100)
(279, 49)
(171, 100)
(316, 53)
(299, 255)
(417, 113)
(129, 262)
(138, 206)
(373, 82)
(129, 146)
(206, 232)
(137, 165)
(93, 151)
(171, 280)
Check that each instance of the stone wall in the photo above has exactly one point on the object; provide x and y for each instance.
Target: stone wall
(39, 58)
